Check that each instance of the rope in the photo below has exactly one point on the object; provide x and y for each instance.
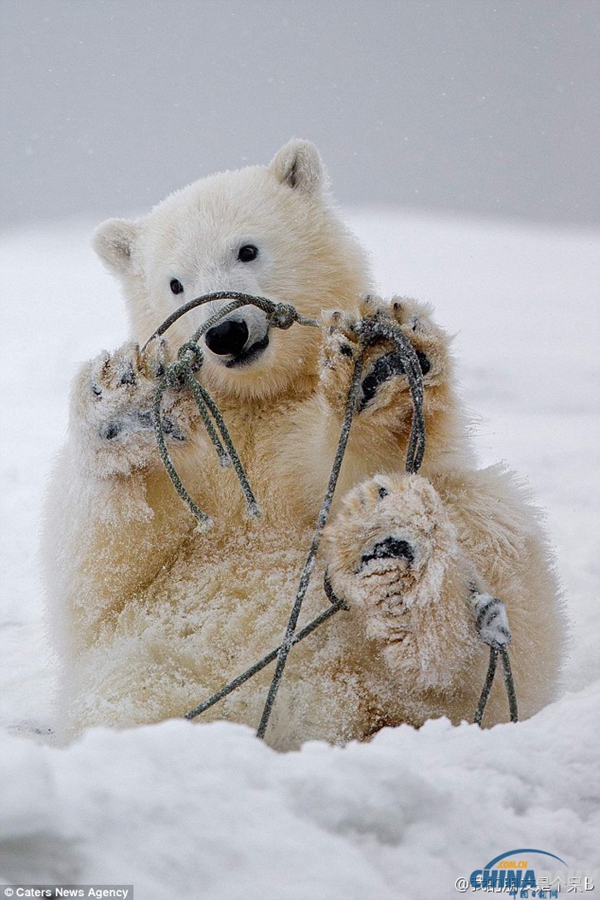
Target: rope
(336, 605)
(370, 331)
(288, 641)
(279, 315)
(180, 373)
(203, 398)
(487, 687)
(510, 686)
(489, 680)
(201, 517)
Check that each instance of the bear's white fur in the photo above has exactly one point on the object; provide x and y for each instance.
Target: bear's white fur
(151, 617)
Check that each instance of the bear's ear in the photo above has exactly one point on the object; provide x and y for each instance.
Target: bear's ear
(113, 242)
(299, 165)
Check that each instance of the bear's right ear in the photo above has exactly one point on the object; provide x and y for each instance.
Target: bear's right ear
(299, 165)
(113, 242)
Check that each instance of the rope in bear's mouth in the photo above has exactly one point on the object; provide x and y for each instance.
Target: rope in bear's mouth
(182, 373)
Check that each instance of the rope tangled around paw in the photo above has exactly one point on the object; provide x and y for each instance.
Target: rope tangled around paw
(181, 374)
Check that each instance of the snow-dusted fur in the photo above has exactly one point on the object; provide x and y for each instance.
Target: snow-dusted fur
(150, 616)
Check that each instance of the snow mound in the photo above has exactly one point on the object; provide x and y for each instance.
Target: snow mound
(211, 811)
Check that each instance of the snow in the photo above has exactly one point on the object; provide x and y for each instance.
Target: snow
(190, 810)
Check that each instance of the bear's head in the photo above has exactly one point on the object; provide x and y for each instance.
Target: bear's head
(269, 231)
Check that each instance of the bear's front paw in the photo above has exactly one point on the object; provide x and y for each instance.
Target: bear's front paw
(385, 385)
(342, 345)
(111, 410)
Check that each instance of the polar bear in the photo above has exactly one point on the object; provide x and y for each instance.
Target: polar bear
(151, 615)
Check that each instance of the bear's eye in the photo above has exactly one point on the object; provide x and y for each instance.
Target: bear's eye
(247, 253)
(176, 286)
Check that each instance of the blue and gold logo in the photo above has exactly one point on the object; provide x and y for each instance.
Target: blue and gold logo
(529, 874)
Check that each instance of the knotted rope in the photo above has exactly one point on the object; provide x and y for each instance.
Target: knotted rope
(181, 373)
(369, 331)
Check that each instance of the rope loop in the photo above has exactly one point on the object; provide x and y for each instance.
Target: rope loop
(371, 330)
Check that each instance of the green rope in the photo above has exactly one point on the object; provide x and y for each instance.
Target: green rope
(487, 687)
(288, 640)
(191, 353)
(204, 521)
(204, 400)
(371, 329)
(280, 315)
(510, 686)
(489, 680)
(336, 605)
(181, 373)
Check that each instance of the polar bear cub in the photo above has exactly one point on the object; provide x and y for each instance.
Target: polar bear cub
(150, 616)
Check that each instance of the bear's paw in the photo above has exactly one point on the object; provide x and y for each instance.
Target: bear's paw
(384, 384)
(111, 410)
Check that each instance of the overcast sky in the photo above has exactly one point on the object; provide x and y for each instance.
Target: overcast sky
(468, 105)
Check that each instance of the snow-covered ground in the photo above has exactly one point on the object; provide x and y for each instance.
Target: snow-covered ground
(208, 811)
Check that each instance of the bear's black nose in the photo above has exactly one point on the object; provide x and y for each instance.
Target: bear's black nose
(227, 338)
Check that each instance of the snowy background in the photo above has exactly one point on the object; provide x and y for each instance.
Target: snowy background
(186, 810)
(470, 105)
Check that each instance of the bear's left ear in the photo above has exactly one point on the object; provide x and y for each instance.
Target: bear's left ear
(113, 242)
(299, 165)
